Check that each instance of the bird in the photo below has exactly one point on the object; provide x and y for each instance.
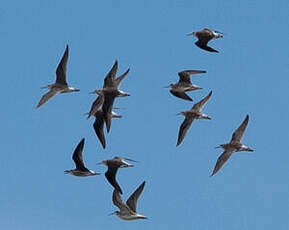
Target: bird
(233, 146)
(190, 115)
(112, 167)
(184, 84)
(109, 92)
(80, 169)
(204, 36)
(60, 85)
(127, 211)
(99, 123)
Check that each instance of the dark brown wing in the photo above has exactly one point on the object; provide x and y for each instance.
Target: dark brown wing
(222, 159)
(110, 176)
(132, 200)
(110, 77)
(203, 45)
(77, 156)
(95, 105)
(121, 77)
(47, 96)
(199, 105)
(237, 135)
(185, 75)
(98, 127)
(184, 128)
(61, 68)
(181, 94)
(107, 109)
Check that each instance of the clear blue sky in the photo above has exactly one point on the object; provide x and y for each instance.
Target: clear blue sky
(250, 75)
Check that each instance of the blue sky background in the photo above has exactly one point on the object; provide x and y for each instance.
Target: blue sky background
(248, 76)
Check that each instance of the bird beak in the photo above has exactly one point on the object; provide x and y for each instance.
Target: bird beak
(167, 86)
(99, 163)
(44, 87)
(217, 147)
(190, 34)
(111, 214)
(93, 92)
(178, 114)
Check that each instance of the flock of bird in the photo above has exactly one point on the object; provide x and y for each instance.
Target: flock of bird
(102, 110)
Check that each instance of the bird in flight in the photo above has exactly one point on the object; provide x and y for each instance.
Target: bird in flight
(204, 36)
(127, 211)
(60, 85)
(112, 167)
(233, 146)
(190, 115)
(80, 169)
(184, 84)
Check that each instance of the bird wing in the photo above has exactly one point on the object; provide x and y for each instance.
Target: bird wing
(77, 156)
(110, 77)
(47, 96)
(184, 128)
(95, 105)
(121, 77)
(237, 135)
(132, 200)
(98, 127)
(222, 159)
(185, 75)
(117, 201)
(61, 68)
(199, 105)
(107, 109)
(181, 94)
(110, 176)
(203, 45)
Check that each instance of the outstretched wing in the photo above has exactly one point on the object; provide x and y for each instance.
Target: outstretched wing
(181, 94)
(237, 135)
(117, 201)
(121, 77)
(47, 96)
(184, 128)
(61, 68)
(199, 105)
(110, 176)
(77, 156)
(222, 159)
(203, 45)
(110, 77)
(132, 200)
(185, 75)
(98, 128)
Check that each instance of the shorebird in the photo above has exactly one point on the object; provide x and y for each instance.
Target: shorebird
(60, 85)
(80, 169)
(112, 167)
(109, 92)
(184, 84)
(233, 146)
(99, 123)
(190, 115)
(204, 36)
(128, 209)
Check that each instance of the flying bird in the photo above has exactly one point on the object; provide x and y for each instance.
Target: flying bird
(80, 169)
(127, 211)
(99, 123)
(184, 84)
(60, 85)
(109, 92)
(233, 146)
(112, 167)
(204, 36)
(190, 115)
